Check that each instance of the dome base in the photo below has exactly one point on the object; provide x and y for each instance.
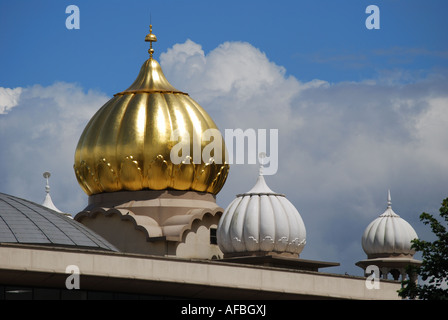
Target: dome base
(134, 200)
(391, 265)
(390, 255)
(261, 254)
(163, 223)
(281, 261)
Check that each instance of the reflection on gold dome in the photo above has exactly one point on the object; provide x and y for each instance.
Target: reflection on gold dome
(126, 145)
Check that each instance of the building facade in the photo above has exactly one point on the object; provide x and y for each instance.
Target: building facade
(152, 228)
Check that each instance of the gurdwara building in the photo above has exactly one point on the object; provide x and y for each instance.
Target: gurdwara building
(152, 228)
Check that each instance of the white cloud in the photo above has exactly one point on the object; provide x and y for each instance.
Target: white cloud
(234, 71)
(40, 134)
(9, 98)
(341, 146)
(431, 132)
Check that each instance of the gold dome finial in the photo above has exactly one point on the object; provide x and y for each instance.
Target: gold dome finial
(150, 37)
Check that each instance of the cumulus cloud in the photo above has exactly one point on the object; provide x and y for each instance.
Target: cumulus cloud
(40, 134)
(341, 145)
(9, 98)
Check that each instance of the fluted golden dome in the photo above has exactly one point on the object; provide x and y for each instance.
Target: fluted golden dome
(127, 143)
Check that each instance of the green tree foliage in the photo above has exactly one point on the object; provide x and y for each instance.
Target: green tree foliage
(434, 268)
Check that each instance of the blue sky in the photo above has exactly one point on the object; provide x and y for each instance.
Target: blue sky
(358, 111)
(311, 39)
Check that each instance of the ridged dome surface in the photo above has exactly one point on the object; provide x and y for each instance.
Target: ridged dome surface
(261, 221)
(26, 222)
(127, 143)
(388, 235)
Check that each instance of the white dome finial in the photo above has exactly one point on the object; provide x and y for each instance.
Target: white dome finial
(261, 156)
(389, 200)
(48, 202)
(46, 176)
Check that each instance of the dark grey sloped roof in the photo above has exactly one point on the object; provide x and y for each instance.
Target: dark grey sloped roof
(23, 221)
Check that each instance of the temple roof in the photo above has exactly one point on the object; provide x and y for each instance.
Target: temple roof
(26, 222)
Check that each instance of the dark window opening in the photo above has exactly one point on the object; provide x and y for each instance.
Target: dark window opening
(213, 238)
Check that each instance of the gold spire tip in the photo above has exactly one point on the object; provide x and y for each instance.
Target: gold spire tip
(150, 37)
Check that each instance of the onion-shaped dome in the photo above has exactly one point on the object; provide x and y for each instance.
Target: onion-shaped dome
(259, 222)
(127, 144)
(388, 235)
(26, 222)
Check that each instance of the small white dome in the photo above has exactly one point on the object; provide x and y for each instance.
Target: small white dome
(261, 221)
(388, 235)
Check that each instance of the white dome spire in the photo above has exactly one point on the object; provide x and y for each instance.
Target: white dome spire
(388, 235)
(260, 187)
(48, 202)
(389, 199)
(261, 222)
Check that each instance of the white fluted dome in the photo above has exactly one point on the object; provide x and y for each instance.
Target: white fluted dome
(388, 235)
(261, 221)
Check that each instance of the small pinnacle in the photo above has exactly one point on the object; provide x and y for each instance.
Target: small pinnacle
(150, 37)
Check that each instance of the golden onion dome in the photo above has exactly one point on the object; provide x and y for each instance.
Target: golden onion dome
(127, 144)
